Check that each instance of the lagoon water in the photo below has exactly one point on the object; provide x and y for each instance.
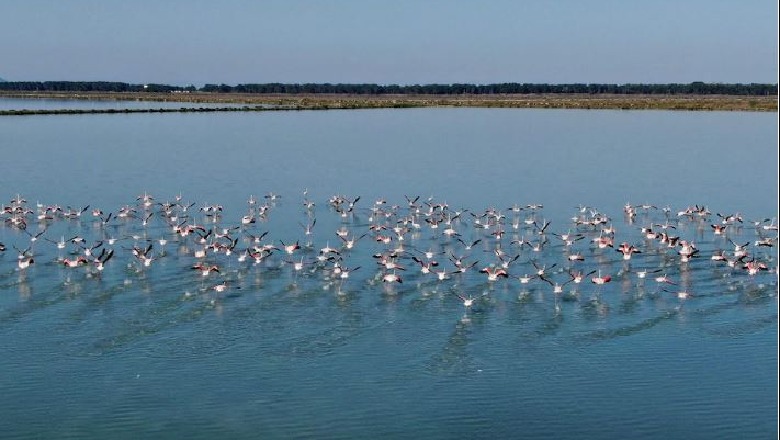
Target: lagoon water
(85, 104)
(156, 352)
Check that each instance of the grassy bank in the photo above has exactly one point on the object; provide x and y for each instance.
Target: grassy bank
(262, 102)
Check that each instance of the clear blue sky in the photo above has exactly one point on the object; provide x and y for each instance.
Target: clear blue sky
(390, 41)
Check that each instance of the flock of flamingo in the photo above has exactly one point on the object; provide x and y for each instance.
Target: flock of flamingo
(410, 243)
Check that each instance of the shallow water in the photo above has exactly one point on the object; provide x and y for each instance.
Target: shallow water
(156, 351)
(83, 104)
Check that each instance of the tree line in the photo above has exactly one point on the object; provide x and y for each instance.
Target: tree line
(87, 86)
(694, 88)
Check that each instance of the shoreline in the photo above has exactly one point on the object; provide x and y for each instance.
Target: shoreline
(286, 102)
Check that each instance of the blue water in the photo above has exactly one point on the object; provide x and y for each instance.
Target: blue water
(156, 352)
(81, 104)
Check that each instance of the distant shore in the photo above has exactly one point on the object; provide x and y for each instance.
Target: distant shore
(280, 102)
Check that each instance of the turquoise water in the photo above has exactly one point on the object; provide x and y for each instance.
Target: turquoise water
(156, 351)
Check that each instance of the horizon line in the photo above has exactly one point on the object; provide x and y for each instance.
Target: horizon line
(390, 84)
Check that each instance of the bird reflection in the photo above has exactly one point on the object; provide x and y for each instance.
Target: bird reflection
(390, 253)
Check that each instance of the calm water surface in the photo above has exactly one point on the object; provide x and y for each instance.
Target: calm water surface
(281, 353)
(76, 104)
